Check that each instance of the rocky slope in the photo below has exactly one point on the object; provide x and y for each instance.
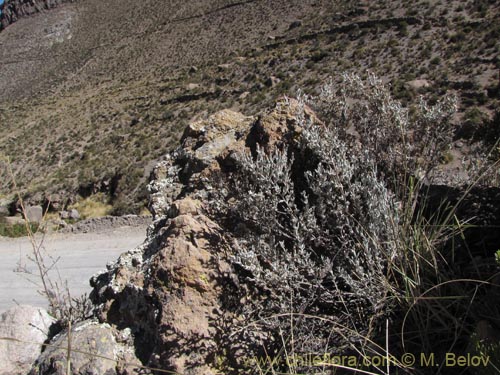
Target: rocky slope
(13, 10)
(86, 107)
(94, 92)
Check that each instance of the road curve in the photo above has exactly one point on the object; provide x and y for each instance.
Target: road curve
(79, 257)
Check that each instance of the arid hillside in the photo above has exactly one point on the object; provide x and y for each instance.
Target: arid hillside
(93, 92)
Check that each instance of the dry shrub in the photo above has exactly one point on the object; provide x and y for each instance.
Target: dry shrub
(317, 224)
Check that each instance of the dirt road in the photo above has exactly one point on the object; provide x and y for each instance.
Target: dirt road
(80, 256)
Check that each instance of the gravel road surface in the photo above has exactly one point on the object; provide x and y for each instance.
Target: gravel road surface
(80, 256)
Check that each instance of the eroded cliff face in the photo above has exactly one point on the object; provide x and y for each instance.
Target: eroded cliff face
(13, 10)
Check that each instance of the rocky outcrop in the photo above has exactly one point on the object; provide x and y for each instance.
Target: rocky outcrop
(205, 147)
(13, 10)
(23, 330)
(349, 27)
(167, 291)
(177, 295)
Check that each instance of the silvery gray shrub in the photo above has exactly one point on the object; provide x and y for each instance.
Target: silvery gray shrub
(316, 221)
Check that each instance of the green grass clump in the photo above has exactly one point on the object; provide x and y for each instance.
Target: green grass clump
(16, 230)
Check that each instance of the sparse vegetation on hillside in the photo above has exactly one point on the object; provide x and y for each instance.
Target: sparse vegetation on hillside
(111, 112)
(364, 223)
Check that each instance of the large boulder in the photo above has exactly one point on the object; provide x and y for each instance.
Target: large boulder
(178, 294)
(23, 330)
(34, 214)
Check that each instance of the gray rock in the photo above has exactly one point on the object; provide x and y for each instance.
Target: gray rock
(96, 352)
(4, 211)
(54, 201)
(28, 324)
(64, 215)
(418, 84)
(5, 207)
(34, 214)
(223, 67)
(74, 214)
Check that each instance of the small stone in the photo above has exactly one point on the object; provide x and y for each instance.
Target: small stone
(244, 95)
(418, 84)
(74, 214)
(222, 67)
(192, 86)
